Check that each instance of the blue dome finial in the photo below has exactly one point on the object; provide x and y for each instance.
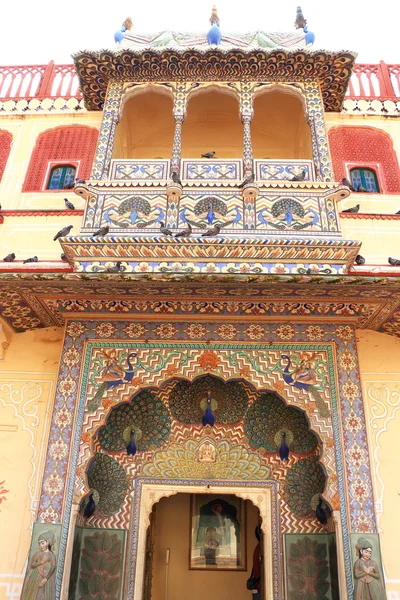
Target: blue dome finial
(120, 33)
(214, 35)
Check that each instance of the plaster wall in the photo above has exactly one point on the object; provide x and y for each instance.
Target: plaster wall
(172, 530)
(379, 359)
(28, 375)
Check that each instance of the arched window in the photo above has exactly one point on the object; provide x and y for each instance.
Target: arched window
(5, 147)
(61, 177)
(365, 179)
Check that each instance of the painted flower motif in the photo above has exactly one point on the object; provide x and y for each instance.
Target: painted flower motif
(58, 449)
(105, 330)
(143, 267)
(359, 490)
(227, 332)
(279, 268)
(279, 386)
(210, 268)
(53, 484)
(353, 422)
(136, 381)
(67, 386)
(363, 524)
(345, 333)
(134, 330)
(350, 390)
(63, 418)
(208, 360)
(347, 361)
(49, 515)
(172, 370)
(245, 371)
(25, 323)
(285, 332)
(107, 403)
(255, 332)
(75, 329)
(86, 437)
(357, 454)
(21, 311)
(196, 330)
(166, 330)
(314, 332)
(71, 357)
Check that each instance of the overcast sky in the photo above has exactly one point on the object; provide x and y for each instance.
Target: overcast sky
(35, 33)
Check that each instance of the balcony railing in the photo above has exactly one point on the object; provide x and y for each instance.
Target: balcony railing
(224, 170)
(369, 81)
(39, 81)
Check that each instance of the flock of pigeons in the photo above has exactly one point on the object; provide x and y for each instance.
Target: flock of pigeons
(211, 232)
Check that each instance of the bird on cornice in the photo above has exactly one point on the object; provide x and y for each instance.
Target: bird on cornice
(9, 257)
(395, 262)
(348, 184)
(164, 230)
(185, 232)
(359, 260)
(175, 178)
(120, 33)
(353, 209)
(250, 179)
(69, 204)
(63, 232)
(300, 177)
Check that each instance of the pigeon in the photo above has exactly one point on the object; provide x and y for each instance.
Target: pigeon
(68, 186)
(353, 209)
(9, 257)
(361, 189)
(360, 260)
(284, 448)
(69, 204)
(101, 232)
(79, 181)
(348, 184)
(185, 232)
(300, 177)
(63, 257)
(208, 155)
(212, 232)
(164, 230)
(395, 262)
(63, 232)
(131, 447)
(397, 213)
(117, 268)
(31, 260)
(175, 178)
(90, 507)
(320, 512)
(247, 181)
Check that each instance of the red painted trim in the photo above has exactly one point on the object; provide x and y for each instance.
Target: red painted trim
(19, 267)
(387, 273)
(377, 216)
(41, 213)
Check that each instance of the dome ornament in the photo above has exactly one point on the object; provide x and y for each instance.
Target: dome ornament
(214, 35)
(120, 33)
(301, 23)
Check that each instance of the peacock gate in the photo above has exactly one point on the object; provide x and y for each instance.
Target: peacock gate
(200, 396)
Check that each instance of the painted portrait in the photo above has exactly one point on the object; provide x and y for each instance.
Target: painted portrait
(40, 580)
(218, 537)
(367, 568)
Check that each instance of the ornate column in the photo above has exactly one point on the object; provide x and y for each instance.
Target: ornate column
(250, 191)
(177, 145)
(105, 145)
(316, 120)
(174, 190)
(68, 550)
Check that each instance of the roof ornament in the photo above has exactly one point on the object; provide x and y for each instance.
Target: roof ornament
(301, 23)
(214, 35)
(126, 26)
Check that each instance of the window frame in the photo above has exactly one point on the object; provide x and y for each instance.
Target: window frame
(53, 164)
(375, 167)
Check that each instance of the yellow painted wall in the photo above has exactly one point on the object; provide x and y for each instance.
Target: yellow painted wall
(172, 531)
(279, 128)
(379, 357)
(28, 374)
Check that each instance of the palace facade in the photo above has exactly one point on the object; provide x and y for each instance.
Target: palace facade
(166, 396)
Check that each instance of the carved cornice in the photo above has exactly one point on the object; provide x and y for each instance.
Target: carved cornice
(96, 69)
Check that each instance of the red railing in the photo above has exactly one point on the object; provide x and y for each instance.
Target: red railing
(369, 82)
(39, 81)
(375, 82)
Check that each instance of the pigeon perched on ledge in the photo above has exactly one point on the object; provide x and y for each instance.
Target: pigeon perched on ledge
(247, 181)
(212, 232)
(31, 260)
(175, 178)
(300, 177)
(395, 262)
(103, 231)
(69, 204)
(208, 155)
(9, 257)
(185, 232)
(63, 232)
(360, 260)
(353, 209)
(164, 230)
(348, 184)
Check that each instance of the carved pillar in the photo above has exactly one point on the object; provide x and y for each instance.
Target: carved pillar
(177, 146)
(316, 120)
(109, 123)
(247, 147)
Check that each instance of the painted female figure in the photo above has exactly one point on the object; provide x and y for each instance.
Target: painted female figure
(40, 581)
(367, 576)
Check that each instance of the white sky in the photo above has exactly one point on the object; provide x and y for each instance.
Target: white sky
(35, 33)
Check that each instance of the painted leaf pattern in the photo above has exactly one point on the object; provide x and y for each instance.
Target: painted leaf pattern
(101, 567)
(308, 570)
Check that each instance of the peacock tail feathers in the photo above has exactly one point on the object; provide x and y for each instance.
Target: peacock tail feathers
(305, 479)
(106, 475)
(282, 206)
(219, 207)
(323, 410)
(95, 402)
(142, 205)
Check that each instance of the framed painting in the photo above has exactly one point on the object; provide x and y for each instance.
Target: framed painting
(217, 533)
